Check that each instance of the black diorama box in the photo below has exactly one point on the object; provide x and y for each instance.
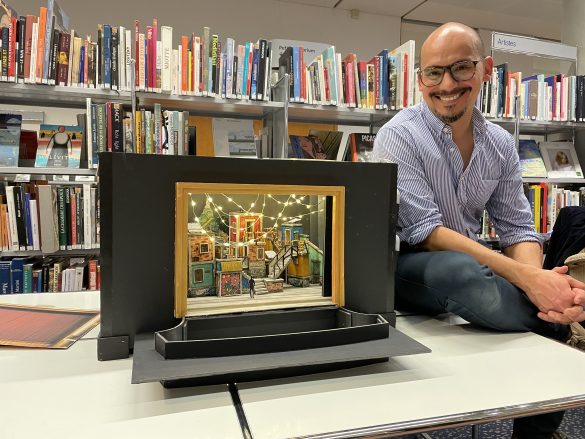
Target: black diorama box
(223, 270)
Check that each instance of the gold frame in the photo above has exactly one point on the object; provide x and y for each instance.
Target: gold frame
(183, 189)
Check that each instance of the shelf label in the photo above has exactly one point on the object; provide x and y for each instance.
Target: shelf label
(60, 178)
(85, 178)
(532, 46)
(22, 178)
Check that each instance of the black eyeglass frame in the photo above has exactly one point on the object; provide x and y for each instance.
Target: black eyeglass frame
(450, 68)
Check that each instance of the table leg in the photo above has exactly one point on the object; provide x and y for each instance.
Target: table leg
(475, 431)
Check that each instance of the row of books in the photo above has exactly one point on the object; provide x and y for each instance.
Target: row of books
(546, 200)
(155, 131)
(541, 98)
(49, 275)
(385, 82)
(42, 217)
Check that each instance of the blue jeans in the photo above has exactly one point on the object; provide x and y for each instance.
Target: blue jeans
(437, 282)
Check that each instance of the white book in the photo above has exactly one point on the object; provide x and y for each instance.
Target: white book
(166, 33)
(141, 64)
(175, 72)
(13, 235)
(88, 134)
(229, 68)
(70, 64)
(87, 219)
(32, 75)
(79, 278)
(321, 69)
(340, 101)
(180, 137)
(121, 58)
(128, 59)
(158, 65)
(309, 86)
(34, 221)
(197, 66)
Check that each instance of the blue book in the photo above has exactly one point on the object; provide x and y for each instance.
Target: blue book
(107, 55)
(255, 61)
(81, 65)
(17, 275)
(245, 73)
(385, 78)
(5, 284)
(224, 73)
(28, 221)
(10, 126)
(296, 75)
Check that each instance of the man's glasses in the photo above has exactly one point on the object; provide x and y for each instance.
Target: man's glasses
(460, 71)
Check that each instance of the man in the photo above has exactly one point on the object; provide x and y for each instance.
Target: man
(252, 283)
(453, 164)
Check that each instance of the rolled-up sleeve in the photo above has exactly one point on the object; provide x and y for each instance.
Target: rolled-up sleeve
(508, 208)
(418, 213)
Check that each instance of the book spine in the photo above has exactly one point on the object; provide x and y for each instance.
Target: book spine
(21, 46)
(61, 218)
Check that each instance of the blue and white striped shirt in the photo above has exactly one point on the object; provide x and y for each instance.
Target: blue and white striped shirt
(434, 188)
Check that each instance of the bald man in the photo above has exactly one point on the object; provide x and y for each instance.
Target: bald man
(453, 164)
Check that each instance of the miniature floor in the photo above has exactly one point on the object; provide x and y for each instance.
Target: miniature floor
(289, 298)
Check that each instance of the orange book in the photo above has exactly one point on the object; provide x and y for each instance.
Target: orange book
(184, 64)
(41, 43)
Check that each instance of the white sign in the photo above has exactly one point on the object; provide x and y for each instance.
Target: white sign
(85, 178)
(532, 46)
(22, 178)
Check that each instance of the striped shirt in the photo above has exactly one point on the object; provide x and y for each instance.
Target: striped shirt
(434, 188)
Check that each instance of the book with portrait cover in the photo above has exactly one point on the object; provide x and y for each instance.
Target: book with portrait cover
(361, 146)
(59, 146)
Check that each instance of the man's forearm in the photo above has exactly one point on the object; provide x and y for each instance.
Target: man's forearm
(525, 252)
(515, 271)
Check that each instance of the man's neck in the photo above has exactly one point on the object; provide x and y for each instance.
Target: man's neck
(464, 126)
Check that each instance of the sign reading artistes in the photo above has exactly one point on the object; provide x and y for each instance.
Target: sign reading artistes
(533, 46)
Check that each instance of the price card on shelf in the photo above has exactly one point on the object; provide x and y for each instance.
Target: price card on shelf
(60, 178)
(85, 178)
(22, 178)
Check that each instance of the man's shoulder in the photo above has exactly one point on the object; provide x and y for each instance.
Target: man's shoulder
(406, 121)
(498, 134)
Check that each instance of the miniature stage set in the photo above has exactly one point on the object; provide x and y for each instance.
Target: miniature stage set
(227, 270)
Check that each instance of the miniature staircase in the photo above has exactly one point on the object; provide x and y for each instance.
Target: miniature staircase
(260, 287)
(281, 261)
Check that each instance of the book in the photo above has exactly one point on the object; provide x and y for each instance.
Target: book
(330, 142)
(10, 127)
(307, 147)
(531, 160)
(361, 146)
(59, 146)
(561, 160)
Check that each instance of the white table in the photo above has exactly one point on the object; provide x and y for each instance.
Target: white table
(472, 376)
(70, 394)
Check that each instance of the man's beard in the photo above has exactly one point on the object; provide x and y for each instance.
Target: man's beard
(451, 118)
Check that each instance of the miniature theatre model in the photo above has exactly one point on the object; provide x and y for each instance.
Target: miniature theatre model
(226, 270)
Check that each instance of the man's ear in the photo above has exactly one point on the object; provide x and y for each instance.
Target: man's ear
(488, 65)
(420, 84)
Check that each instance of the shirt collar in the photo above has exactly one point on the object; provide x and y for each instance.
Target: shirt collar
(438, 126)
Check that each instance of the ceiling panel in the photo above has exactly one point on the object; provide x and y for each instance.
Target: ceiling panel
(395, 8)
(513, 16)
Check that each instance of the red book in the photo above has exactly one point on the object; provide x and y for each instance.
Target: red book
(12, 48)
(152, 59)
(405, 88)
(302, 74)
(148, 54)
(326, 76)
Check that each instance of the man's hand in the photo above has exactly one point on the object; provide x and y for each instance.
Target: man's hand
(552, 290)
(558, 296)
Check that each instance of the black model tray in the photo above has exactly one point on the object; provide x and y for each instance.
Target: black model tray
(268, 331)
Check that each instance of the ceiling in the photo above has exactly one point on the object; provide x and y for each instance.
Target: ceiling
(540, 18)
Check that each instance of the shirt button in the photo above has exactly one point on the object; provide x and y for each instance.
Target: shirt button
(446, 130)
